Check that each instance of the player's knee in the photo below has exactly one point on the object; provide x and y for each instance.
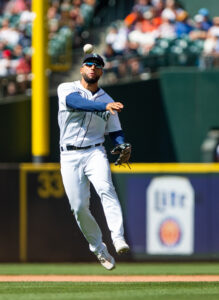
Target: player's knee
(105, 188)
(80, 209)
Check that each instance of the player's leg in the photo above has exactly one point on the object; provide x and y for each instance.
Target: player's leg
(77, 188)
(99, 173)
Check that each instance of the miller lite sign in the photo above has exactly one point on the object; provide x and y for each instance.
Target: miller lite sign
(170, 216)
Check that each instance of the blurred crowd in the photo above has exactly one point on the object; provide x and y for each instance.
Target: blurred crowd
(160, 27)
(15, 42)
(68, 21)
(155, 33)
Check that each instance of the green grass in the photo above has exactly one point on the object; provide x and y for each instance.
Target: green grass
(121, 269)
(109, 291)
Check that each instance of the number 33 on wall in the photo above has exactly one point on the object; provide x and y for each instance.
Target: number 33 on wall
(50, 185)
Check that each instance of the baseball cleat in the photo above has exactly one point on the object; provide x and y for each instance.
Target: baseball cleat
(106, 260)
(121, 246)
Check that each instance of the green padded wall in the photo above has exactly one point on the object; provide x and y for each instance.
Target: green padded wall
(192, 6)
(191, 102)
(166, 119)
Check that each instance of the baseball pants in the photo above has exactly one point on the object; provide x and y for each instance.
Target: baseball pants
(78, 169)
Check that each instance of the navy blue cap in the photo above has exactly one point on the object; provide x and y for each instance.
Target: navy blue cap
(94, 57)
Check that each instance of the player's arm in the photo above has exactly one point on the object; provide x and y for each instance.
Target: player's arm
(76, 101)
(117, 137)
(120, 147)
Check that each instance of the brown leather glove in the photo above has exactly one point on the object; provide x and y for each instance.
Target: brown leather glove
(124, 151)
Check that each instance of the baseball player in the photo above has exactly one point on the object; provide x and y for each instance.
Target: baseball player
(86, 114)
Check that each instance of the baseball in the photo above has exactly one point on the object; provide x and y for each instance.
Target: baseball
(88, 48)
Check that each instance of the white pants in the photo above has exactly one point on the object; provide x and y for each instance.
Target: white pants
(79, 168)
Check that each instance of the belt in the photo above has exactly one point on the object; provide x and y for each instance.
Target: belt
(71, 147)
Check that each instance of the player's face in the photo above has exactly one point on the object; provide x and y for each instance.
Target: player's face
(91, 71)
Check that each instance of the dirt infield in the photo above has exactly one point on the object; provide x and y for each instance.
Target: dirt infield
(109, 278)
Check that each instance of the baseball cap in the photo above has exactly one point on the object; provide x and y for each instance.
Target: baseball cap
(6, 53)
(94, 57)
(198, 18)
(168, 14)
(182, 16)
(204, 12)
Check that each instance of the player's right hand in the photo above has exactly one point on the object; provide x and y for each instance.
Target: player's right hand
(114, 106)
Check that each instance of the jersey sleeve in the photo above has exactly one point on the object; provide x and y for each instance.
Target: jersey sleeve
(76, 101)
(113, 124)
(64, 89)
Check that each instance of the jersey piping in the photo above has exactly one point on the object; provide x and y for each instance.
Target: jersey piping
(82, 123)
(89, 120)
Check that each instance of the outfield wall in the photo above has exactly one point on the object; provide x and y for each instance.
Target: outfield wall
(170, 213)
(193, 6)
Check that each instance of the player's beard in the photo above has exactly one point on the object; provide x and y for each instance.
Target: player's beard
(90, 80)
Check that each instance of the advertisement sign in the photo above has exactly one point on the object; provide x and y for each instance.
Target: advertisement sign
(170, 216)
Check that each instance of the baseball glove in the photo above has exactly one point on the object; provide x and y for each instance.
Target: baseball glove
(124, 151)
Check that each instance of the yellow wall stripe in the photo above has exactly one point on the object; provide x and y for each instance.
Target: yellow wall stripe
(167, 168)
(139, 167)
(23, 217)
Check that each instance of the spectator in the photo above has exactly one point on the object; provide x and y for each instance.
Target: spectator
(159, 6)
(53, 11)
(20, 5)
(109, 53)
(17, 52)
(211, 42)
(2, 47)
(6, 64)
(145, 32)
(170, 5)
(23, 70)
(66, 19)
(27, 16)
(183, 26)
(142, 6)
(214, 30)
(111, 62)
(117, 38)
(10, 36)
(5, 30)
(24, 64)
(211, 46)
(77, 22)
(167, 28)
(150, 21)
(206, 23)
(87, 11)
(134, 66)
(198, 32)
(11, 88)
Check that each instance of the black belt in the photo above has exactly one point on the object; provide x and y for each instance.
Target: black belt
(71, 147)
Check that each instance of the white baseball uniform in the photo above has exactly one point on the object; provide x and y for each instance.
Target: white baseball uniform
(80, 167)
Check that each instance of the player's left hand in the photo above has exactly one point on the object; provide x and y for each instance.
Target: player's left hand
(114, 106)
(124, 151)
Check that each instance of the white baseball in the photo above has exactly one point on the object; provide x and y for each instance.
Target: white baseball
(88, 48)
